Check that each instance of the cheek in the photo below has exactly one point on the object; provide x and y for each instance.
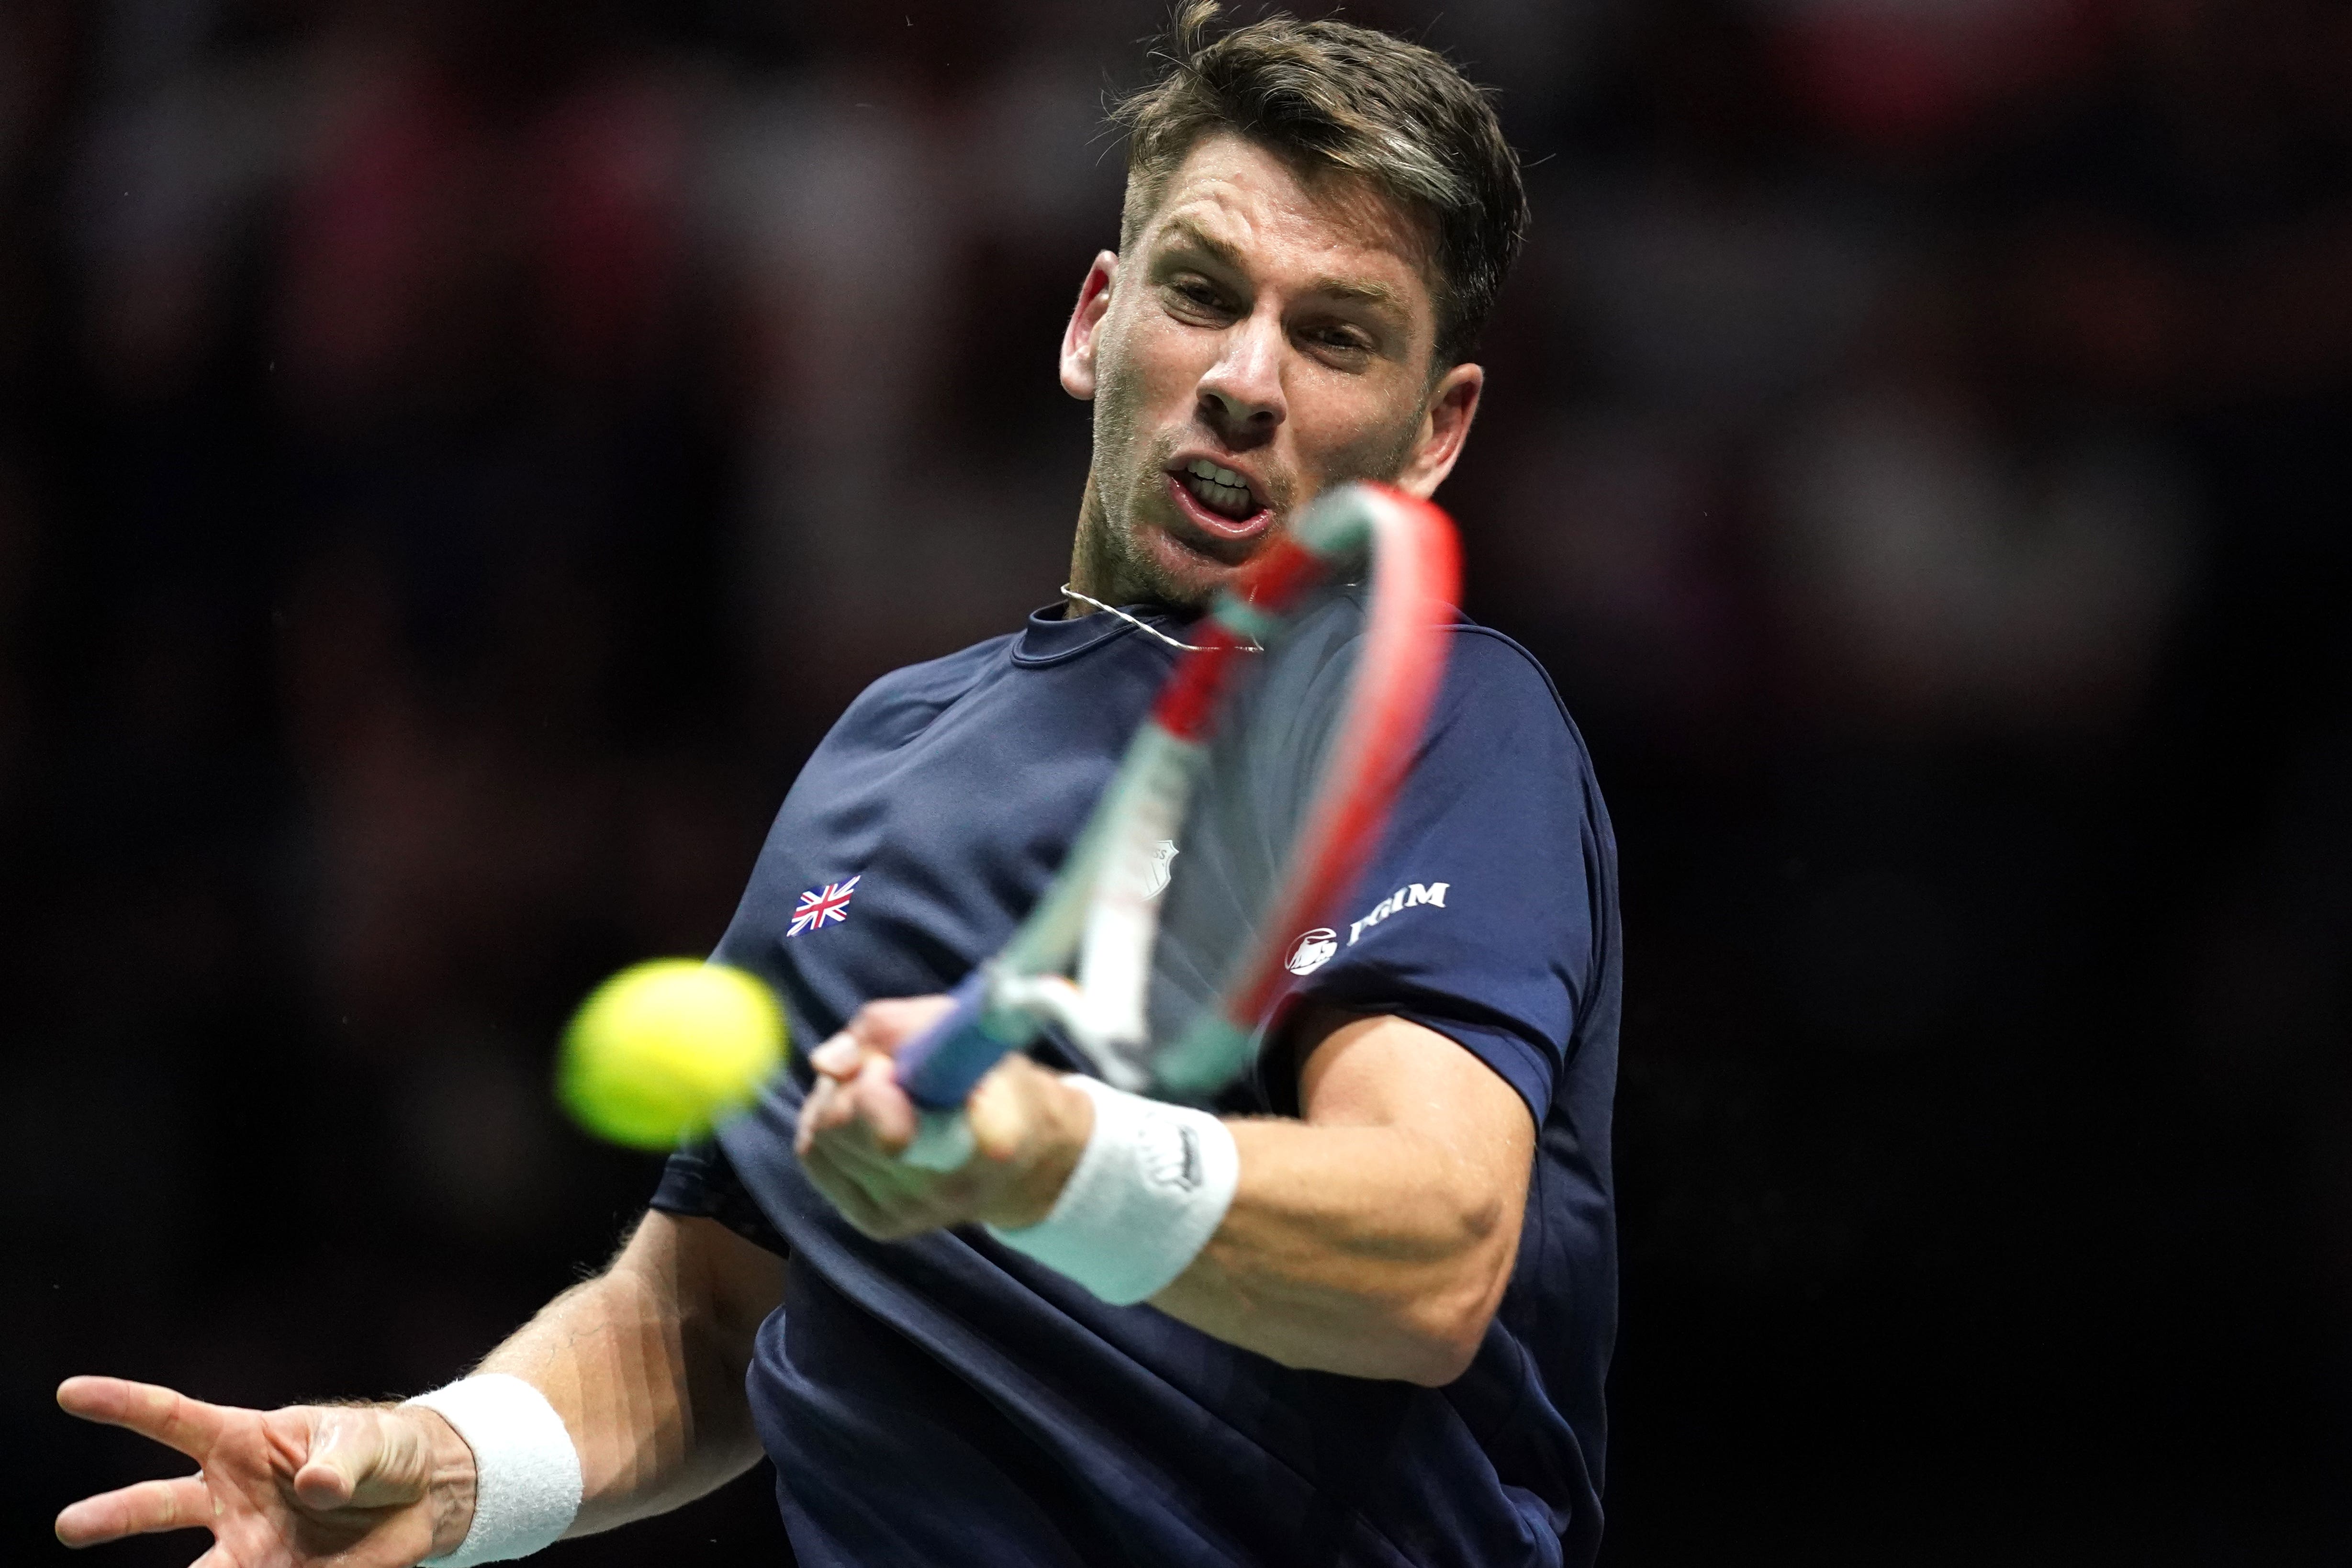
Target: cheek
(1359, 436)
(1146, 375)
(1162, 361)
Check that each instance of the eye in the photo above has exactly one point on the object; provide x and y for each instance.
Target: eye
(1197, 292)
(1340, 343)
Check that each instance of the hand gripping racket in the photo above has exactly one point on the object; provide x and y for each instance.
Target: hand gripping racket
(1239, 817)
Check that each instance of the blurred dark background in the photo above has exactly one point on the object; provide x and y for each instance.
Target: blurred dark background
(457, 455)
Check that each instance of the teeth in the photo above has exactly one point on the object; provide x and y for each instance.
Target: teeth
(1232, 500)
(1202, 469)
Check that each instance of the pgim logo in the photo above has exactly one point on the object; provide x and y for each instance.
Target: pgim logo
(1405, 898)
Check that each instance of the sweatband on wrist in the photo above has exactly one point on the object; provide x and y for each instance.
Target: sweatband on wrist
(526, 1471)
(1150, 1188)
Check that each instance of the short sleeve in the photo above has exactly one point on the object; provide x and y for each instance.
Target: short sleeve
(699, 1183)
(1483, 913)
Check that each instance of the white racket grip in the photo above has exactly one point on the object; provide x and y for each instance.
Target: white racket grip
(526, 1482)
(1150, 1188)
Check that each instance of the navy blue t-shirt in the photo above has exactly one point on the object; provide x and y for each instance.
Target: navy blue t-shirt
(946, 1400)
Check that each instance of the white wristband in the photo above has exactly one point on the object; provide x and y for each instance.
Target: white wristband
(526, 1471)
(1151, 1189)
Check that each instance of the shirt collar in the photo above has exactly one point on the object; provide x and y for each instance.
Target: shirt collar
(1048, 638)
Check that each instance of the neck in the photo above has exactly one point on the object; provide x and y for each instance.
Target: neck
(1090, 573)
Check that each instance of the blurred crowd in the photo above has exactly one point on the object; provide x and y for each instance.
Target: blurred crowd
(457, 455)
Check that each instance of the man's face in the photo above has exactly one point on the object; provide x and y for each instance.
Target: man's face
(1267, 335)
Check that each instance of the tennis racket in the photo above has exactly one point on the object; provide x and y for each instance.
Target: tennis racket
(1239, 817)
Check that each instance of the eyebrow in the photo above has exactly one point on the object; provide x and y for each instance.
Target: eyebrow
(1362, 288)
(1365, 291)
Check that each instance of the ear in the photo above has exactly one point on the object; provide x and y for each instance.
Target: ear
(1085, 320)
(1445, 426)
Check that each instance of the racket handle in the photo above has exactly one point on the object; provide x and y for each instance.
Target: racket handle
(939, 1069)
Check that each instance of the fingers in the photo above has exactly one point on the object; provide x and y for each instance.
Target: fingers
(885, 1026)
(887, 1200)
(848, 1195)
(141, 1509)
(857, 1120)
(162, 1414)
(876, 1192)
(876, 1029)
(882, 1105)
(838, 1059)
(857, 1100)
(819, 1113)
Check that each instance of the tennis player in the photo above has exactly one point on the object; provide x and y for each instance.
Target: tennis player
(1363, 1316)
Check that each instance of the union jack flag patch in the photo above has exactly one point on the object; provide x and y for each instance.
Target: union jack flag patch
(830, 902)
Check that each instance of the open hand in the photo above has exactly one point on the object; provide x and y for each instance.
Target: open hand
(1028, 1129)
(361, 1486)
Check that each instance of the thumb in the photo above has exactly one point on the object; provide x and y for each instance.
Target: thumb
(356, 1456)
(330, 1472)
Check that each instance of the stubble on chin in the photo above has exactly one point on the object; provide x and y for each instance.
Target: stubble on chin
(1111, 551)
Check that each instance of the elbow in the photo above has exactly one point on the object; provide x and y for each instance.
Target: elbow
(1394, 1352)
(1440, 1368)
(1441, 1345)
(1447, 1322)
(1427, 1336)
(1444, 1327)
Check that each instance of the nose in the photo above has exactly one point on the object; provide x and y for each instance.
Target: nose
(1241, 396)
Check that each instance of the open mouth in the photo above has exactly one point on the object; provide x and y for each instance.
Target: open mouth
(1219, 499)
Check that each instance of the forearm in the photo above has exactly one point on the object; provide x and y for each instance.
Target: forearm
(645, 1362)
(1363, 1251)
(1374, 1237)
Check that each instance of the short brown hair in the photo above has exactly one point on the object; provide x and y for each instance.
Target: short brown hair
(1348, 97)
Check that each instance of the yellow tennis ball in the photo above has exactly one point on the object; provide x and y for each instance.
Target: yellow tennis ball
(664, 1049)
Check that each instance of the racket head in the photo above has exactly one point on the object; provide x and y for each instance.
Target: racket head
(1281, 790)
(1241, 815)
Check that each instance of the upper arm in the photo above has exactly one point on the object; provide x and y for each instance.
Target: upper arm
(1386, 1071)
(716, 1281)
(1487, 910)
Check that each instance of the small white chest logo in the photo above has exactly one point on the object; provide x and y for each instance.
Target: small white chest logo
(1155, 876)
(1312, 951)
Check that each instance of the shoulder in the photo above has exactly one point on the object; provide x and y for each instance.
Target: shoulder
(911, 696)
(947, 676)
(1498, 663)
(1492, 684)
(1501, 724)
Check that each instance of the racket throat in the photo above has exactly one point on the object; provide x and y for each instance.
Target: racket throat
(1105, 1012)
(1104, 1009)
(1052, 1001)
